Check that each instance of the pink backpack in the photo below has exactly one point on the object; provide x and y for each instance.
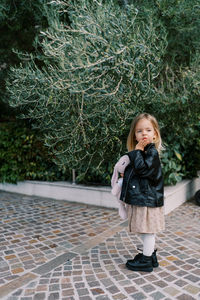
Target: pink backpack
(116, 184)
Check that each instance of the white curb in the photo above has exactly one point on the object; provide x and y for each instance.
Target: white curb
(98, 195)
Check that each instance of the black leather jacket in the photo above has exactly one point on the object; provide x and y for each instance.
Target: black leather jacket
(143, 180)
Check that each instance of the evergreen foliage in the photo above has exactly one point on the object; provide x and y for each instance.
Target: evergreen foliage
(23, 156)
(20, 22)
(113, 62)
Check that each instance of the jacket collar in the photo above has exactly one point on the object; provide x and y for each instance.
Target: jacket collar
(149, 146)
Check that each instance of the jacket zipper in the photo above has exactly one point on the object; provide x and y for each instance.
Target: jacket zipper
(127, 185)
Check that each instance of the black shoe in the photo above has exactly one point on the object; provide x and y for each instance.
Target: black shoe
(144, 264)
(154, 259)
(135, 258)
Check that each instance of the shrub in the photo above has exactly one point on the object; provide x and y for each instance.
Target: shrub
(112, 63)
(20, 22)
(23, 156)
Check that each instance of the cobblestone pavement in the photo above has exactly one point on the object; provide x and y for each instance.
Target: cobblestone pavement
(59, 250)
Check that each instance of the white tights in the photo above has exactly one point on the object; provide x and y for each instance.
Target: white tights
(148, 240)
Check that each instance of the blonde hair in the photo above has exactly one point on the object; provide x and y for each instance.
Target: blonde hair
(131, 140)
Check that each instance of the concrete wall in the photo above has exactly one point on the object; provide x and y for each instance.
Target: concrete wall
(100, 196)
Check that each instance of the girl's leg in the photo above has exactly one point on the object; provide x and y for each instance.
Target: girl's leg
(148, 240)
(147, 260)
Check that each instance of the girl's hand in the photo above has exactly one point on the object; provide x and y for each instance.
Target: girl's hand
(142, 144)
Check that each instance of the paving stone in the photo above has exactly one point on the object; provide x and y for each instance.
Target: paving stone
(124, 282)
(90, 278)
(79, 285)
(85, 298)
(107, 282)
(54, 296)
(139, 281)
(151, 278)
(192, 261)
(113, 289)
(82, 292)
(170, 278)
(39, 296)
(181, 273)
(55, 278)
(42, 288)
(160, 283)
(171, 291)
(93, 283)
(163, 274)
(69, 292)
(185, 297)
(18, 292)
(43, 230)
(192, 289)
(187, 267)
(102, 297)
(138, 296)
(181, 282)
(157, 296)
(172, 268)
(54, 287)
(196, 272)
(192, 278)
(97, 291)
(130, 289)
(119, 296)
(12, 298)
(29, 292)
(148, 288)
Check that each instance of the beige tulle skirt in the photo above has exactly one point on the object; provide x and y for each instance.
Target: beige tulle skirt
(145, 219)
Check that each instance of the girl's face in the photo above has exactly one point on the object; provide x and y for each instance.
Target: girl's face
(144, 131)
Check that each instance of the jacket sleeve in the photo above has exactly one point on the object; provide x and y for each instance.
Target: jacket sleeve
(146, 165)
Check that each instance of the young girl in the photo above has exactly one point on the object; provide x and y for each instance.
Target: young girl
(142, 189)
